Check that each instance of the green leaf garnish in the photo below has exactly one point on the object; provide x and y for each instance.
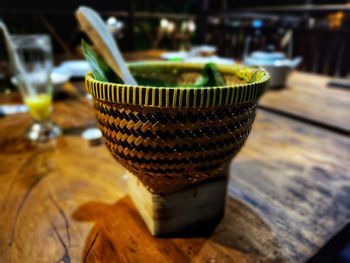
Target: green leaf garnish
(209, 77)
(100, 68)
(214, 77)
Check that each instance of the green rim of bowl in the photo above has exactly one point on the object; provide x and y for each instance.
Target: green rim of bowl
(182, 97)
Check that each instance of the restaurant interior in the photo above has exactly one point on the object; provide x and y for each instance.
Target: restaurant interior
(175, 131)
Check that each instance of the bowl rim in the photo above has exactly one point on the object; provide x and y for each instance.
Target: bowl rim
(175, 97)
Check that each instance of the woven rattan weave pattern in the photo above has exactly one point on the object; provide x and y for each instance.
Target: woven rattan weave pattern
(174, 137)
(171, 149)
(240, 87)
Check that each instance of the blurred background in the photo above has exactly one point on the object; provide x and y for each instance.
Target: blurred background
(316, 30)
(308, 40)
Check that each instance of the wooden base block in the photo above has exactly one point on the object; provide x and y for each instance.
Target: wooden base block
(193, 206)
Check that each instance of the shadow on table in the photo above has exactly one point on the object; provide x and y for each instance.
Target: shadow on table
(120, 235)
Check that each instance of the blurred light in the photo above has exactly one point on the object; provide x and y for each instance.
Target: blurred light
(188, 26)
(171, 27)
(335, 20)
(236, 23)
(257, 23)
(311, 22)
(114, 25)
(164, 23)
(184, 26)
(167, 26)
(111, 21)
(191, 26)
(214, 20)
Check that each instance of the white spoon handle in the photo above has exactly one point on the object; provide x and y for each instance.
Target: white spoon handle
(98, 32)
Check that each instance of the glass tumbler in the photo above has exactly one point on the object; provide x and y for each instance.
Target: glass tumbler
(33, 80)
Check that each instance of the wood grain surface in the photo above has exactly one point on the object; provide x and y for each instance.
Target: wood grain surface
(66, 201)
(308, 97)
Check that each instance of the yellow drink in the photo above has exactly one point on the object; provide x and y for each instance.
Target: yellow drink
(39, 106)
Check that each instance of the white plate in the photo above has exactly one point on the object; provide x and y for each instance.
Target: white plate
(212, 59)
(174, 55)
(59, 78)
(74, 68)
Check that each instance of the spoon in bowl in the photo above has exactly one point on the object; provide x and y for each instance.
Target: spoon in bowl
(93, 25)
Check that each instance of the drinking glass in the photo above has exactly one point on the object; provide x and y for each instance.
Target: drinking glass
(33, 80)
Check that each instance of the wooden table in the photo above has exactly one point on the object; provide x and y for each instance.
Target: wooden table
(309, 98)
(66, 201)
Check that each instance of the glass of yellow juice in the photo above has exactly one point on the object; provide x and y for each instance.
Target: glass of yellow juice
(33, 80)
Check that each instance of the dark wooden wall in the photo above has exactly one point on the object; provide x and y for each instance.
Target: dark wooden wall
(324, 51)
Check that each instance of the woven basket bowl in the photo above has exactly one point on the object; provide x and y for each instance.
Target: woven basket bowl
(174, 137)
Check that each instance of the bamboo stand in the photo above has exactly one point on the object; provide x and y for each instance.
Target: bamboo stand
(164, 214)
